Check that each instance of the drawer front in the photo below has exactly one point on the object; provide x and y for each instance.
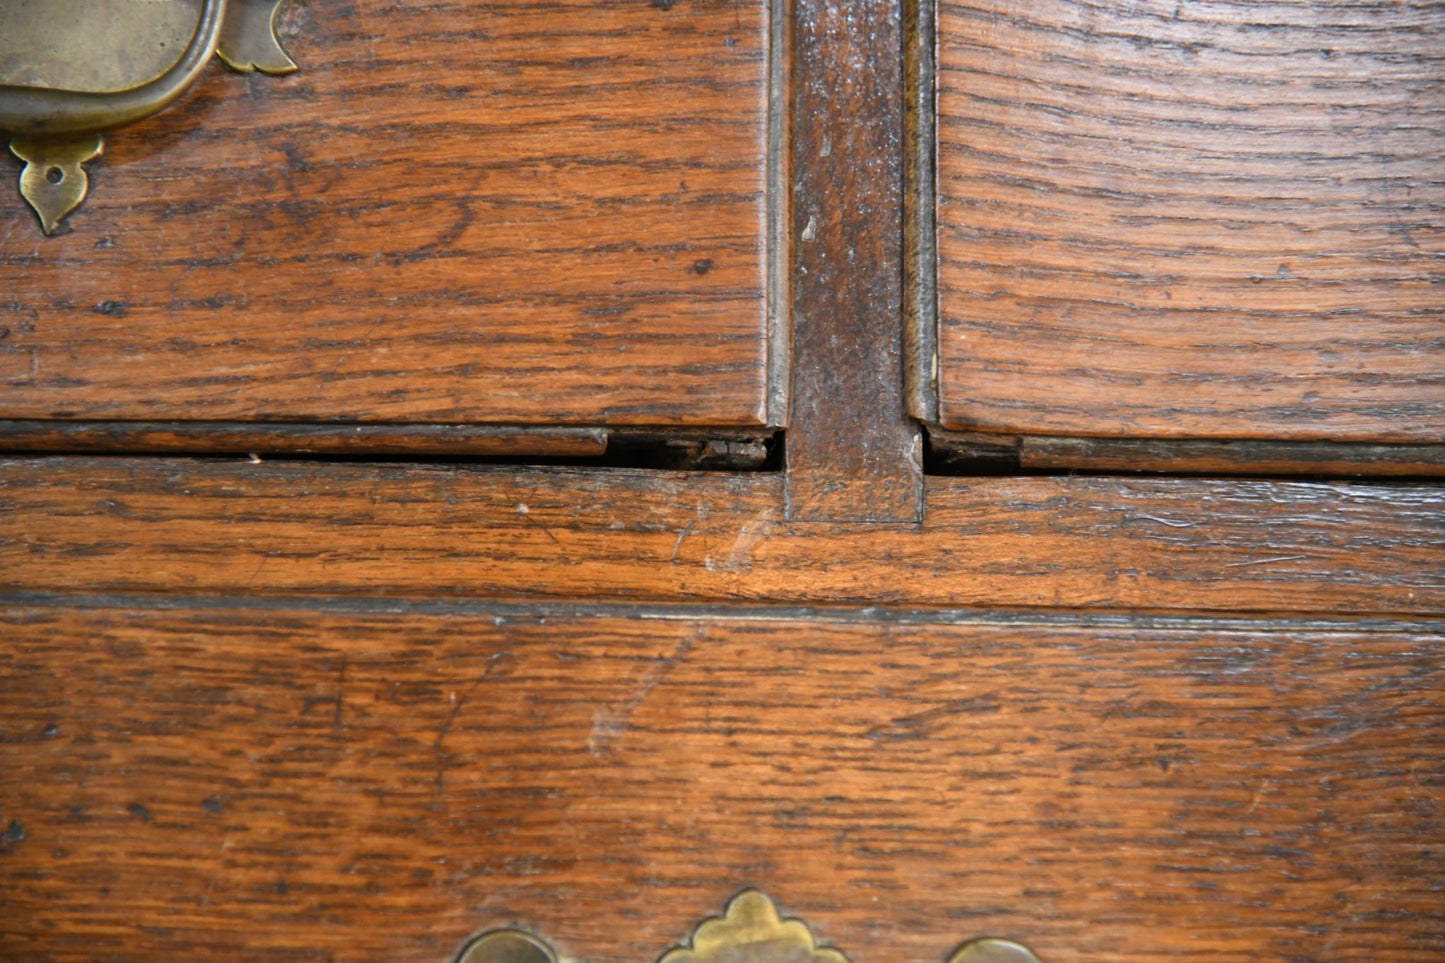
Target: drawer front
(1158, 220)
(350, 786)
(507, 212)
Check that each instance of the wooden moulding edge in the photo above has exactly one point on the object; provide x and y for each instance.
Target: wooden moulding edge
(719, 449)
(1081, 543)
(302, 439)
(975, 453)
(920, 260)
(778, 215)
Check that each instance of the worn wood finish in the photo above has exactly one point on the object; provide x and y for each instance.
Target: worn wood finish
(230, 437)
(967, 452)
(462, 212)
(1192, 220)
(98, 525)
(848, 252)
(1322, 458)
(307, 785)
(361, 711)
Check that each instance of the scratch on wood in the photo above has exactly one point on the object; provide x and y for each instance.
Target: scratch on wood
(525, 514)
(1171, 522)
(1266, 561)
(439, 745)
(739, 559)
(677, 546)
(610, 722)
(256, 572)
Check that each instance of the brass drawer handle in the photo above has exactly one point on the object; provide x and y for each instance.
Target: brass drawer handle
(55, 126)
(750, 932)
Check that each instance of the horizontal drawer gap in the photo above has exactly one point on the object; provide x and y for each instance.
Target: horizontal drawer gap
(662, 448)
(980, 453)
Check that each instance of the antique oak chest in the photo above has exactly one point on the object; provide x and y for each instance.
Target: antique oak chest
(508, 481)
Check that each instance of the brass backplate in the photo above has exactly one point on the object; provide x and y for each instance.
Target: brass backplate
(73, 69)
(96, 46)
(750, 931)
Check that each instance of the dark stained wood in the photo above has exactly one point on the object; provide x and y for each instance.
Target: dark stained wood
(361, 711)
(540, 213)
(1204, 545)
(305, 785)
(970, 452)
(1321, 458)
(1163, 219)
(920, 210)
(855, 453)
(218, 438)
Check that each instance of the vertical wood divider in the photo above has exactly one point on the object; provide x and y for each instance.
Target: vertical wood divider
(853, 452)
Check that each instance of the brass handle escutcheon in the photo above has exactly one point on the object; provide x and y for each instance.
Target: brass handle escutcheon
(70, 70)
(750, 931)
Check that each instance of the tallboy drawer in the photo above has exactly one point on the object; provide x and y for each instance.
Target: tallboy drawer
(472, 213)
(1190, 221)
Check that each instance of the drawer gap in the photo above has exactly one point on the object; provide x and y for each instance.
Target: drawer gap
(648, 447)
(982, 453)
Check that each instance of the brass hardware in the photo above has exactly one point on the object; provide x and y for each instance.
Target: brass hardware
(506, 946)
(751, 931)
(248, 38)
(992, 951)
(52, 179)
(73, 69)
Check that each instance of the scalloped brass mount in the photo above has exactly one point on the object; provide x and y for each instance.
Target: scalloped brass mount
(71, 70)
(751, 931)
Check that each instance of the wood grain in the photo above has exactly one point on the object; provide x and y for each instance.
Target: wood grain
(235, 528)
(975, 452)
(1175, 220)
(302, 785)
(232, 437)
(1318, 458)
(855, 454)
(459, 212)
(351, 711)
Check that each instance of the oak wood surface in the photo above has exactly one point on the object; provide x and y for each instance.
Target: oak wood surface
(298, 710)
(456, 212)
(970, 452)
(231, 527)
(1187, 220)
(855, 453)
(322, 785)
(230, 437)
(1323, 458)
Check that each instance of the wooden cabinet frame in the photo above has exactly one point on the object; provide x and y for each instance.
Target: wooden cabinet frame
(384, 705)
